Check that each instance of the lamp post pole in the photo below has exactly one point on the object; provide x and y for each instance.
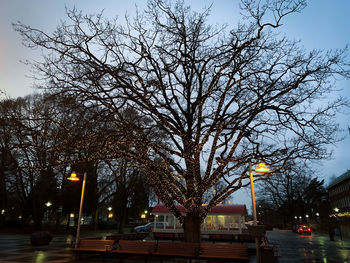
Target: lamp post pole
(261, 169)
(80, 211)
(255, 223)
(74, 177)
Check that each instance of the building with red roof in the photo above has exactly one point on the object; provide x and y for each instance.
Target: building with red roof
(221, 218)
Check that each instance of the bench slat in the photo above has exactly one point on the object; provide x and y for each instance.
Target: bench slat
(224, 251)
(135, 247)
(174, 249)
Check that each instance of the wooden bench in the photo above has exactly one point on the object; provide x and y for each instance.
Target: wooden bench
(203, 251)
(134, 248)
(97, 238)
(129, 236)
(233, 252)
(93, 246)
(177, 249)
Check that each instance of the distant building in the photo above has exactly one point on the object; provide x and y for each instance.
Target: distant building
(339, 198)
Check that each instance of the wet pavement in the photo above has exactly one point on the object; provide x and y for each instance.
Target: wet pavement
(291, 246)
(309, 249)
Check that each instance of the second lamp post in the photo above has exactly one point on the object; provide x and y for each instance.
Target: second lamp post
(73, 177)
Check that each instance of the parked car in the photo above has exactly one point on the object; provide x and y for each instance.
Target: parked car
(304, 229)
(149, 227)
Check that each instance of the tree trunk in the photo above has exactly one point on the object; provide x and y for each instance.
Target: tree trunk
(37, 215)
(95, 220)
(122, 222)
(192, 227)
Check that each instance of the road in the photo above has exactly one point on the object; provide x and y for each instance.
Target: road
(304, 248)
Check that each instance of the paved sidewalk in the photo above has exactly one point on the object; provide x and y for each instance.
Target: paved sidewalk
(17, 249)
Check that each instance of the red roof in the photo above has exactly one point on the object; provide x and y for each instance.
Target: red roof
(219, 209)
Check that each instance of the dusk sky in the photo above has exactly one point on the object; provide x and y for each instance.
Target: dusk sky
(323, 24)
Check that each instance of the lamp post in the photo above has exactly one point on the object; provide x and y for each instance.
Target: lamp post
(73, 177)
(261, 169)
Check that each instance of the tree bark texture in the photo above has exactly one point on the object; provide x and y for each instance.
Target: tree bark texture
(192, 227)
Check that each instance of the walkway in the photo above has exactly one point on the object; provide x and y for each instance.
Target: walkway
(17, 249)
(293, 248)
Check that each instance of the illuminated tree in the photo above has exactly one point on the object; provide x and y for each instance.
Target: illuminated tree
(219, 97)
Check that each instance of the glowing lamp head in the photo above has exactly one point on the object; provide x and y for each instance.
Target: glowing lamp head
(262, 168)
(73, 177)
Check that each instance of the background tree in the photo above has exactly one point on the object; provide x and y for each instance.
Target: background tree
(221, 97)
(111, 179)
(45, 138)
(8, 163)
(292, 192)
(33, 140)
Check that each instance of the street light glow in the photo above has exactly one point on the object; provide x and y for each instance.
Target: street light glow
(73, 177)
(262, 168)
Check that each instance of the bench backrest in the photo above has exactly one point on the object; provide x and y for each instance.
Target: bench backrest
(95, 243)
(224, 250)
(181, 249)
(136, 246)
(115, 237)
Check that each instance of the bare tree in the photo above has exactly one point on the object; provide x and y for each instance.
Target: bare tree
(294, 191)
(30, 137)
(221, 97)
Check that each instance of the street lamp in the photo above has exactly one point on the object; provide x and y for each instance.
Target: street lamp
(260, 169)
(73, 177)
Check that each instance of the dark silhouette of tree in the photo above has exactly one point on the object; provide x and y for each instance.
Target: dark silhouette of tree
(8, 163)
(293, 192)
(31, 137)
(221, 97)
(128, 194)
